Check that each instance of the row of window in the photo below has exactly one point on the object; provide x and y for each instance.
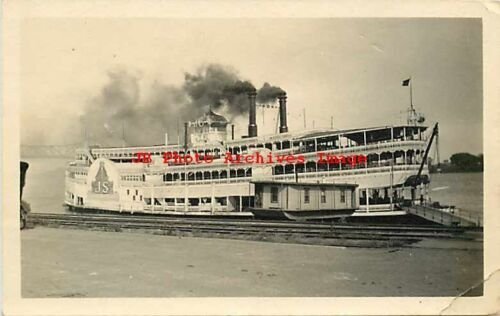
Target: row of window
(307, 195)
(219, 201)
(299, 146)
(310, 166)
(207, 175)
(277, 170)
(132, 178)
(72, 174)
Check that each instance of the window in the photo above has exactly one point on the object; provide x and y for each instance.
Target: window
(323, 195)
(306, 195)
(274, 194)
(342, 196)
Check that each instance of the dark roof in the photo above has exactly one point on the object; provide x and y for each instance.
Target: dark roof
(290, 183)
(357, 134)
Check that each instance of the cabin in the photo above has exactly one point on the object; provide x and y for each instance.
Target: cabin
(295, 200)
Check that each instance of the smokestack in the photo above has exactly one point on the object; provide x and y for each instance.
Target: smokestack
(282, 101)
(185, 136)
(232, 131)
(252, 121)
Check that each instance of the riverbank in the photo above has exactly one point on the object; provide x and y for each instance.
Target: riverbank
(77, 263)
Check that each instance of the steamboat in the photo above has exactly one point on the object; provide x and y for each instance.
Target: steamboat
(393, 172)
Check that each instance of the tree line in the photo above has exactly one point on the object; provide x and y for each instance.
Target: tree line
(459, 162)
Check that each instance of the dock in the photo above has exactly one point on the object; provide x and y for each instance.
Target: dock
(457, 218)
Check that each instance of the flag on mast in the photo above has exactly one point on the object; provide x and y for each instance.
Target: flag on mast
(406, 82)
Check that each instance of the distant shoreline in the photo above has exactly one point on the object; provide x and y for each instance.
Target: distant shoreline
(456, 171)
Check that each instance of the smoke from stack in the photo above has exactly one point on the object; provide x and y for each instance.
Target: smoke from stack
(148, 116)
(215, 85)
(268, 93)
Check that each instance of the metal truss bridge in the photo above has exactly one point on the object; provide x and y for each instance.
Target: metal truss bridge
(33, 151)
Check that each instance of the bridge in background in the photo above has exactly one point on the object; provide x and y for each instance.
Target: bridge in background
(49, 151)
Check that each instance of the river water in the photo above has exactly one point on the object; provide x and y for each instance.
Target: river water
(44, 188)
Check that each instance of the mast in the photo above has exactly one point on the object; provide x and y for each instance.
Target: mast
(437, 150)
(277, 122)
(123, 135)
(412, 114)
(178, 134)
(411, 96)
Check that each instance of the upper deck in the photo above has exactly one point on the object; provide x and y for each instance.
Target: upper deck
(308, 141)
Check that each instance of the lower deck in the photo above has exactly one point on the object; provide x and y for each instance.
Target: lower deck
(103, 187)
(236, 204)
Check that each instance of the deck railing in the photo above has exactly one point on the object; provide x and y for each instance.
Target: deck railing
(121, 153)
(454, 217)
(302, 176)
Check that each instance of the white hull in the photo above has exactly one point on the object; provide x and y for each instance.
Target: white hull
(120, 201)
(107, 179)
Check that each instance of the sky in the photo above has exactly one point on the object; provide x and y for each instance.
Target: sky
(76, 72)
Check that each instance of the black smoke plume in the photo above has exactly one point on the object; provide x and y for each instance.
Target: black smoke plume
(215, 84)
(121, 114)
(268, 93)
